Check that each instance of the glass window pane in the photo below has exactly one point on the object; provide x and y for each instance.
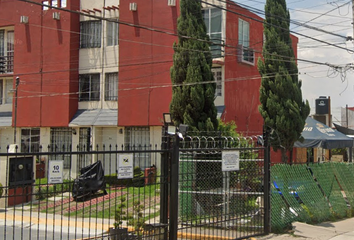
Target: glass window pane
(215, 20)
(206, 19)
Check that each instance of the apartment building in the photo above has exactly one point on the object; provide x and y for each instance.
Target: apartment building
(98, 72)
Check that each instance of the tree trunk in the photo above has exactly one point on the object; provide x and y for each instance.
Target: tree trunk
(284, 156)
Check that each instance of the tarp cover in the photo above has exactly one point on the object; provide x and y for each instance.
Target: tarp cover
(319, 135)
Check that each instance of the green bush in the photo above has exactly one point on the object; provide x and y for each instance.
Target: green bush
(46, 191)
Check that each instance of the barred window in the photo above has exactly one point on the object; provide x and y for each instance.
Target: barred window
(90, 34)
(111, 87)
(60, 141)
(138, 138)
(217, 73)
(89, 85)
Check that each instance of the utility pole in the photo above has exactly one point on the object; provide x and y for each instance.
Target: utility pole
(15, 114)
(353, 18)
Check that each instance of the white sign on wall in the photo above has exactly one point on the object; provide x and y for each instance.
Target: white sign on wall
(125, 166)
(230, 160)
(55, 171)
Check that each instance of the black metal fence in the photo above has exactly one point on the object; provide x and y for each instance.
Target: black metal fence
(192, 186)
(221, 187)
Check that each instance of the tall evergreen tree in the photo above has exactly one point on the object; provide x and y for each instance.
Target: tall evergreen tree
(282, 106)
(193, 99)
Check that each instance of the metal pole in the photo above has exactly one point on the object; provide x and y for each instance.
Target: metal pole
(174, 189)
(267, 210)
(15, 114)
(164, 180)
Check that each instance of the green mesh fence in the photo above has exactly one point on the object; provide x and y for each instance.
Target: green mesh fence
(281, 216)
(310, 193)
(281, 178)
(326, 179)
(344, 174)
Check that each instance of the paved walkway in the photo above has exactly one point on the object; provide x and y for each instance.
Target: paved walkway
(340, 230)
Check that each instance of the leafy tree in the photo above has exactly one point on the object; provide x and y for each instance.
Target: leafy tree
(193, 91)
(282, 106)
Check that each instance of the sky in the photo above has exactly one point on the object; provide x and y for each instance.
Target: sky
(335, 17)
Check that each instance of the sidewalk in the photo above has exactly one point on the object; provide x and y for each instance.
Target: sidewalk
(341, 230)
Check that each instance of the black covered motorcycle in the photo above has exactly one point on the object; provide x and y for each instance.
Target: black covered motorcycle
(90, 181)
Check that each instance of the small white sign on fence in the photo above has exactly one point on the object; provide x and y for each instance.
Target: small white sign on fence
(125, 166)
(230, 161)
(55, 171)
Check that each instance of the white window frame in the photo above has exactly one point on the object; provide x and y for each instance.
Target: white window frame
(111, 87)
(6, 85)
(89, 87)
(7, 49)
(30, 140)
(112, 33)
(245, 53)
(90, 34)
(217, 50)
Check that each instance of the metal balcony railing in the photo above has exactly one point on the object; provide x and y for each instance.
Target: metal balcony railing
(6, 64)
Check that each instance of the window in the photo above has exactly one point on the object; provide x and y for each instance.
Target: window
(89, 85)
(111, 87)
(5, 89)
(213, 19)
(112, 33)
(60, 141)
(30, 140)
(217, 73)
(45, 3)
(90, 34)
(243, 33)
(84, 146)
(6, 51)
(245, 54)
(138, 138)
(54, 3)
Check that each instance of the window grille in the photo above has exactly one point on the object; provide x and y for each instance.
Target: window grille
(111, 87)
(61, 139)
(138, 138)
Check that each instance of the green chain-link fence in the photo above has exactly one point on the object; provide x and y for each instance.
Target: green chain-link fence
(310, 193)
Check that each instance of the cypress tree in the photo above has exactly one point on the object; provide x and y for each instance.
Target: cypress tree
(192, 98)
(282, 106)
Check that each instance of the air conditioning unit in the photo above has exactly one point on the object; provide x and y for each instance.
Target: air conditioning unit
(56, 15)
(133, 6)
(171, 3)
(24, 19)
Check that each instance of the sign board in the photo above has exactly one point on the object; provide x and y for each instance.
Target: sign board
(13, 148)
(125, 166)
(230, 161)
(55, 171)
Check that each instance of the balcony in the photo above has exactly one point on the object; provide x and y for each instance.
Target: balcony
(217, 48)
(6, 64)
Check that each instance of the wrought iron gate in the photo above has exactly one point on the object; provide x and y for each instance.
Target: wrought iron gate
(221, 187)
